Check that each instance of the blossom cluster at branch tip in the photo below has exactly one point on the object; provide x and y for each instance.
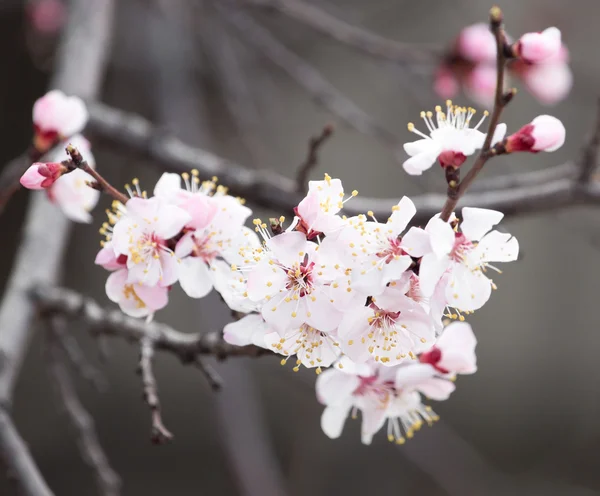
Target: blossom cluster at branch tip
(57, 121)
(451, 139)
(540, 61)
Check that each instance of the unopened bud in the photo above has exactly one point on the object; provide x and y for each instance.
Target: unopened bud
(544, 134)
(42, 176)
(539, 47)
(276, 227)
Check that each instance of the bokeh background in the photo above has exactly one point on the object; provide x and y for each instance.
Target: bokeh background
(526, 423)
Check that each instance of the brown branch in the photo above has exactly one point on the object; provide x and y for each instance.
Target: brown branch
(312, 158)
(354, 36)
(160, 434)
(321, 90)
(589, 158)
(523, 193)
(109, 483)
(500, 101)
(212, 376)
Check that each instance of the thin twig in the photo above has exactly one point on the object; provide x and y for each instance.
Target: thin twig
(321, 90)
(589, 158)
(212, 376)
(312, 158)
(354, 36)
(523, 193)
(500, 101)
(109, 483)
(18, 459)
(160, 434)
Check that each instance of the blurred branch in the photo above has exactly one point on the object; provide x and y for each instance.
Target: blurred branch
(312, 159)
(80, 64)
(116, 324)
(11, 173)
(18, 459)
(321, 90)
(160, 433)
(109, 483)
(524, 193)
(354, 36)
(589, 158)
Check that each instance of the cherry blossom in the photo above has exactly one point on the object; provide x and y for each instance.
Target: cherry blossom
(466, 255)
(450, 141)
(381, 394)
(56, 117)
(454, 351)
(317, 212)
(391, 329)
(141, 235)
(476, 43)
(539, 47)
(42, 175)
(136, 300)
(544, 133)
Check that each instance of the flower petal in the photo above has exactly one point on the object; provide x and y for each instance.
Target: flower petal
(195, 277)
(478, 221)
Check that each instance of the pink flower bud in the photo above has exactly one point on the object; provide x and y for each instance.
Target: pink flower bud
(42, 176)
(539, 47)
(445, 84)
(544, 134)
(47, 16)
(480, 85)
(476, 43)
(450, 158)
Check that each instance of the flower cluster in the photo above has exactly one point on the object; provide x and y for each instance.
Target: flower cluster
(539, 60)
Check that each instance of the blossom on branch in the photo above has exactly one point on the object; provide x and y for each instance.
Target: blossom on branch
(42, 175)
(544, 134)
(539, 47)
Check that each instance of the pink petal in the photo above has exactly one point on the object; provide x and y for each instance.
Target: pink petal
(286, 247)
(115, 285)
(155, 298)
(171, 220)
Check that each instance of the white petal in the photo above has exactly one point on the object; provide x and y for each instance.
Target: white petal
(264, 280)
(335, 387)
(499, 133)
(467, 290)
(431, 271)
(498, 247)
(333, 419)
(250, 329)
(194, 277)
(401, 215)
(171, 220)
(115, 285)
(441, 236)
(478, 221)
(286, 247)
(420, 146)
(436, 388)
(420, 162)
(372, 420)
(168, 184)
(416, 242)
(457, 344)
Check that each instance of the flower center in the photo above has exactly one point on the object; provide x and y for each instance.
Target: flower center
(129, 292)
(391, 250)
(300, 277)
(148, 246)
(461, 247)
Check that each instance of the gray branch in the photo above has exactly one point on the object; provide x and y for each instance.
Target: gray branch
(81, 60)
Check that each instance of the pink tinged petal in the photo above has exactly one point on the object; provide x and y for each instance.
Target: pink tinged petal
(107, 259)
(282, 315)
(77, 117)
(395, 268)
(32, 179)
(468, 290)
(371, 282)
(498, 247)
(372, 420)
(148, 274)
(478, 221)
(477, 44)
(155, 298)
(201, 209)
(168, 185)
(195, 277)
(436, 388)
(308, 208)
(412, 374)
(401, 215)
(441, 236)
(144, 208)
(115, 285)
(121, 235)
(548, 133)
(445, 84)
(321, 313)
(185, 245)
(286, 247)
(431, 271)
(457, 344)
(265, 280)
(169, 266)
(333, 419)
(353, 331)
(335, 387)
(418, 329)
(171, 220)
(251, 329)
(416, 242)
(539, 47)
(480, 85)
(549, 83)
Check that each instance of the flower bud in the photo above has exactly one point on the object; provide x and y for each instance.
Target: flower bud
(476, 43)
(544, 134)
(539, 47)
(42, 176)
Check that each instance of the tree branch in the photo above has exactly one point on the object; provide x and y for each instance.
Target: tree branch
(114, 323)
(109, 483)
(312, 158)
(354, 36)
(321, 90)
(527, 192)
(589, 158)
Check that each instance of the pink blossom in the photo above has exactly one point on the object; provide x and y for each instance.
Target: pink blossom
(135, 299)
(107, 259)
(480, 85)
(142, 235)
(47, 16)
(454, 351)
(476, 44)
(42, 175)
(56, 117)
(539, 47)
(549, 82)
(445, 83)
(544, 133)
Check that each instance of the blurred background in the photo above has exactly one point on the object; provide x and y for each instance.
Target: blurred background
(526, 423)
